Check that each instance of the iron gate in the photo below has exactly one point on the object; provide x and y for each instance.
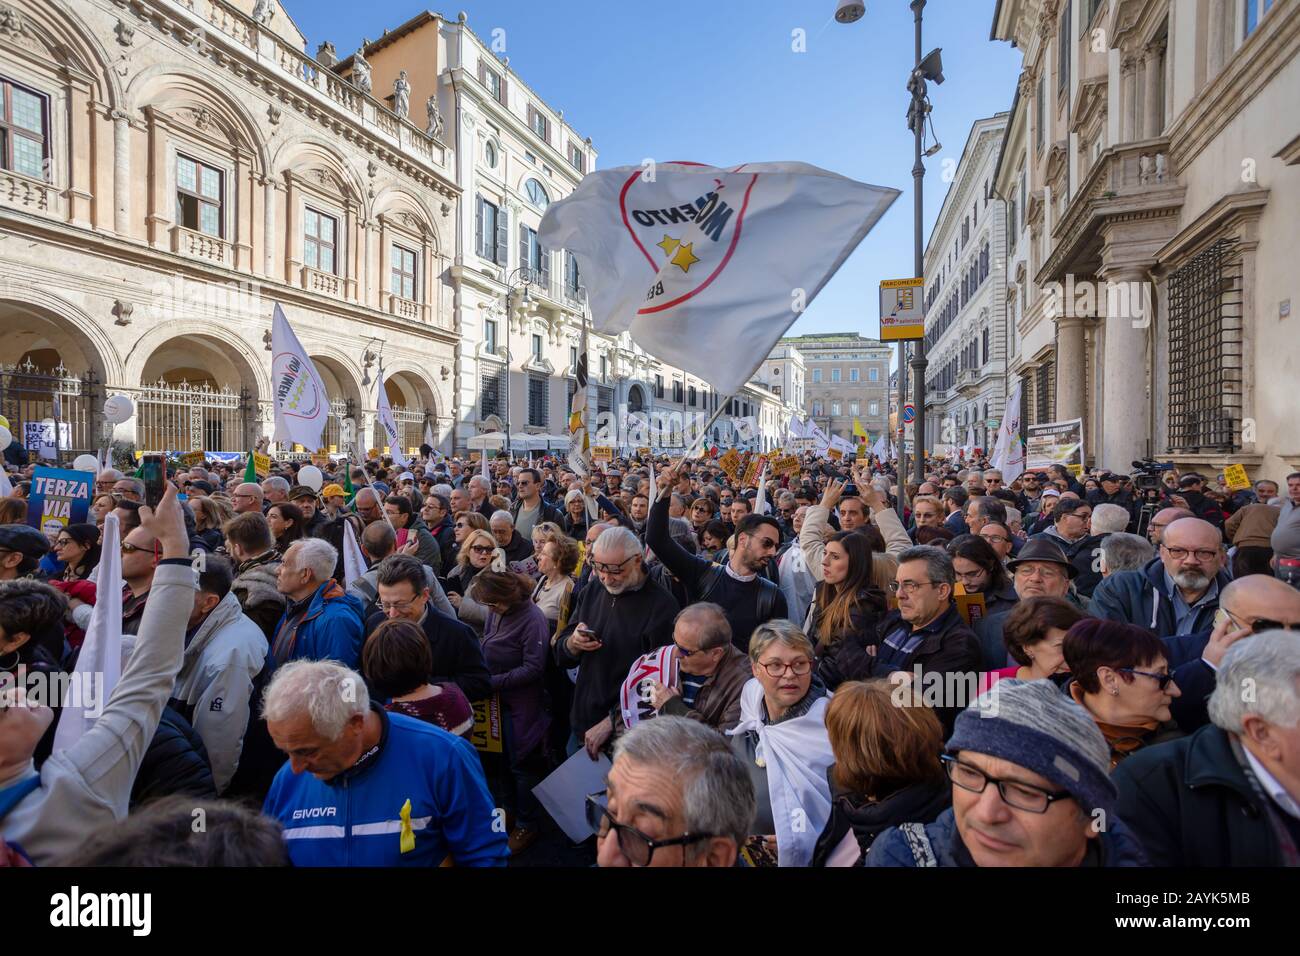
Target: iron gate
(410, 429)
(340, 410)
(30, 395)
(184, 417)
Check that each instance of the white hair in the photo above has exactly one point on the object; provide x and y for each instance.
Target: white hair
(444, 490)
(717, 794)
(317, 554)
(329, 693)
(499, 516)
(276, 483)
(573, 494)
(481, 482)
(1108, 518)
(1259, 675)
(616, 538)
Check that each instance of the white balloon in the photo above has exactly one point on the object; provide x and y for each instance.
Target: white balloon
(86, 463)
(310, 476)
(6, 439)
(118, 409)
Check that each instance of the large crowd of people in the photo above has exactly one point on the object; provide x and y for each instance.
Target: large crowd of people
(379, 668)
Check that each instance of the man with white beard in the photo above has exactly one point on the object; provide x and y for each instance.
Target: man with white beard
(1178, 591)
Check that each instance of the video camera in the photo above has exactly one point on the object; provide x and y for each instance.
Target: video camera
(1146, 478)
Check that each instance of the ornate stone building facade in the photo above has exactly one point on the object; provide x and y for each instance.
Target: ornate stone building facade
(172, 171)
(1157, 187)
(965, 309)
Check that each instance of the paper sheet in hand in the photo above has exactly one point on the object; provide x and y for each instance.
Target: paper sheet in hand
(564, 792)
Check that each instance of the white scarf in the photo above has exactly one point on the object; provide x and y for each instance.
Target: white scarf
(797, 753)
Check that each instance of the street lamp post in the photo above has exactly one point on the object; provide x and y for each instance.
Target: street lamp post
(929, 67)
(519, 279)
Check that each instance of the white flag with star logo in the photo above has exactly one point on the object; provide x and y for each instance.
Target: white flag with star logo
(708, 267)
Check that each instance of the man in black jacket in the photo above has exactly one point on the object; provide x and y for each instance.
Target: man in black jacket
(738, 587)
(927, 632)
(1071, 523)
(1111, 493)
(618, 616)
(457, 656)
(1228, 795)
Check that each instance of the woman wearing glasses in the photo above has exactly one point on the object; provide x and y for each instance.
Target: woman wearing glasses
(77, 547)
(466, 521)
(782, 740)
(575, 514)
(981, 571)
(479, 552)
(1120, 674)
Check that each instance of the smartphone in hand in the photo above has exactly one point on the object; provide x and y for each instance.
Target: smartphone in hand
(154, 472)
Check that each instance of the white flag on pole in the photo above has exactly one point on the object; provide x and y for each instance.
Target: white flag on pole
(708, 267)
(968, 449)
(881, 448)
(760, 500)
(6, 489)
(354, 559)
(428, 433)
(843, 444)
(1009, 455)
(389, 425)
(301, 402)
(99, 665)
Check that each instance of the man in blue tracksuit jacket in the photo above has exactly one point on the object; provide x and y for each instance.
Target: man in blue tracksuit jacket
(388, 790)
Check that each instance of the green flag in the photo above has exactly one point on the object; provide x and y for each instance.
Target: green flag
(347, 480)
(250, 473)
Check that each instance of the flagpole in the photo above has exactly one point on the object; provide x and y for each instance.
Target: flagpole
(699, 439)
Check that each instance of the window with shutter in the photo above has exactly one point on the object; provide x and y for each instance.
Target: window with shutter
(502, 253)
(479, 241)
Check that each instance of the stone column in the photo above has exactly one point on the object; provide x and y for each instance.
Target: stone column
(268, 227)
(122, 171)
(292, 233)
(1152, 120)
(1128, 100)
(1218, 32)
(243, 239)
(384, 289)
(160, 216)
(1127, 309)
(358, 232)
(81, 125)
(1069, 367)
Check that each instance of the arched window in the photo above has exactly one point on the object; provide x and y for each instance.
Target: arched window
(537, 194)
(490, 154)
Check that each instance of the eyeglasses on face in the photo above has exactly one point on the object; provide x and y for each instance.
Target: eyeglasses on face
(995, 538)
(1260, 624)
(1022, 796)
(1164, 680)
(612, 568)
(481, 549)
(129, 548)
(1203, 555)
(908, 587)
(798, 668)
(401, 607)
(638, 848)
(1032, 571)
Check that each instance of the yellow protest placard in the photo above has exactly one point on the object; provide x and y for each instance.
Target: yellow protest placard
(643, 452)
(730, 463)
(1236, 478)
(602, 453)
(372, 453)
(192, 458)
(261, 464)
(752, 470)
(784, 465)
(834, 454)
(486, 735)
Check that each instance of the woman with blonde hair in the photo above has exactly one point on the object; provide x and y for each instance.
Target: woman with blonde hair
(210, 516)
(479, 552)
(887, 770)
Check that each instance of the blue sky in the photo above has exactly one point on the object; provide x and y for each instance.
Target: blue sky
(717, 81)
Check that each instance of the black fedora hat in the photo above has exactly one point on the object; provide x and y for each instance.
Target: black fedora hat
(1042, 549)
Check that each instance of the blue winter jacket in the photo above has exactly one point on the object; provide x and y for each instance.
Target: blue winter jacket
(1119, 847)
(355, 818)
(1140, 597)
(330, 630)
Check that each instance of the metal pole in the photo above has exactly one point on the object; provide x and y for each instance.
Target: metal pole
(509, 424)
(900, 504)
(919, 362)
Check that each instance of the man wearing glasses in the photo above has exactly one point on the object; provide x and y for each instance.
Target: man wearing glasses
(403, 587)
(1247, 606)
(1030, 776)
(247, 497)
(656, 810)
(105, 481)
(1177, 593)
(618, 615)
(927, 631)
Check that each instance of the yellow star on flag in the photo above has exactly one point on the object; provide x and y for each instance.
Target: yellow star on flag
(667, 245)
(685, 258)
